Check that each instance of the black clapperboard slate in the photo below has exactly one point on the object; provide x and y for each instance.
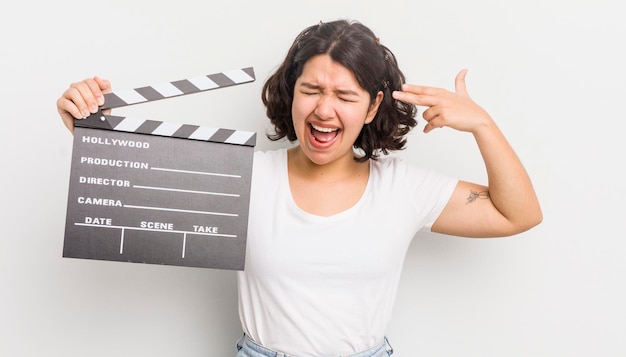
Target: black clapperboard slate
(146, 191)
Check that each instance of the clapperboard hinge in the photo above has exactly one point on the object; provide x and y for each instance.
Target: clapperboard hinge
(152, 93)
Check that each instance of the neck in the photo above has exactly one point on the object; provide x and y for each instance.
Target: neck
(342, 168)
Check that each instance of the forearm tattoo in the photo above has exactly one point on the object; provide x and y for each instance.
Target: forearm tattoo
(476, 195)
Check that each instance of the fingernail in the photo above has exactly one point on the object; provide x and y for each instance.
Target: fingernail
(100, 101)
(93, 108)
(85, 113)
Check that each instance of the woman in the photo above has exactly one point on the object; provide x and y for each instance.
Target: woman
(331, 218)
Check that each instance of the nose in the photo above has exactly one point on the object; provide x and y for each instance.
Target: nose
(325, 109)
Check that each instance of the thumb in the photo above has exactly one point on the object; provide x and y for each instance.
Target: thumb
(459, 82)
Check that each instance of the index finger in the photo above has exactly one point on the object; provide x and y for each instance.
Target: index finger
(418, 95)
(92, 92)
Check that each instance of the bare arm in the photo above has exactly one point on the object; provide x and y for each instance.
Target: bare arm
(508, 205)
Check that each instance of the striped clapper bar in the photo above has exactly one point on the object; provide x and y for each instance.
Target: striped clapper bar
(155, 192)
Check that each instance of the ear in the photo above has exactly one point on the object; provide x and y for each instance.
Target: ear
(371, 113)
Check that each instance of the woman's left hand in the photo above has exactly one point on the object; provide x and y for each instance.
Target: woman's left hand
(452, 109)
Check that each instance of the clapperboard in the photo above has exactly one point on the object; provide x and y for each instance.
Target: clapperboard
(154, 192)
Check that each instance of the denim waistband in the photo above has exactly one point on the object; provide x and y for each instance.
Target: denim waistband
(248, 348)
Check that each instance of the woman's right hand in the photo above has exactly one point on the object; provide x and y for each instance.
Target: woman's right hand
(82, 99)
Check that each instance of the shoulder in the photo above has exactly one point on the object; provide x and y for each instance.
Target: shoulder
(269, 162)
(398, 167)
(269, 171)
(270, 157)
(398, 172)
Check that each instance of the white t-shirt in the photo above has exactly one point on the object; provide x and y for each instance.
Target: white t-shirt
(319, 286)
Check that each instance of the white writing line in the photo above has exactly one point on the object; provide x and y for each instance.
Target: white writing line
(183, 210)
(154, 230)
(187, 191)
(195, 172)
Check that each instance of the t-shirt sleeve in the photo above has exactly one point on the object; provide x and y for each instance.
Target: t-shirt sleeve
(430, 190)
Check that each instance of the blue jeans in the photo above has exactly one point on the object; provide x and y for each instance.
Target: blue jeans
(248, 348)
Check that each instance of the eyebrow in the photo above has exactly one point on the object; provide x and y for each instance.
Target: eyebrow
(338, 91)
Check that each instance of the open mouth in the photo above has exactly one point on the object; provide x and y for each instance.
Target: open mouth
(323, 135)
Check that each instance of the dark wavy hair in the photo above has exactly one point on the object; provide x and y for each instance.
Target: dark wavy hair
(374, 66)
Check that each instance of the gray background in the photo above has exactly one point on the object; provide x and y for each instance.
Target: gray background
(551, 72)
